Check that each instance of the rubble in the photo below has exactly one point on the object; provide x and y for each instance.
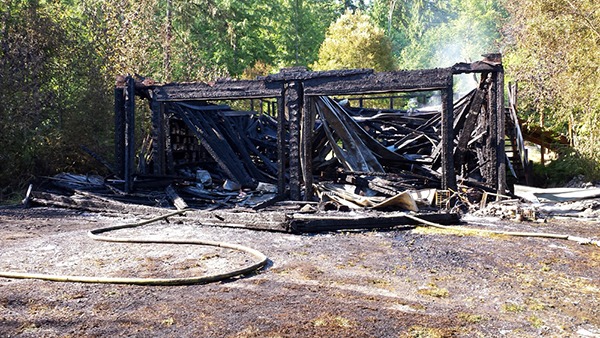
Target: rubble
(305, 147)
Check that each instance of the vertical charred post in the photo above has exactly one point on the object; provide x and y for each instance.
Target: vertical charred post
(447, 140)
(293, 103)
(308, 122)
(159, 133)
(492, 129)
(501, 130)
(281, 146)
(129, 162)
(120, 128)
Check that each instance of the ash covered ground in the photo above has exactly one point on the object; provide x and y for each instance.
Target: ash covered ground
(395, 283)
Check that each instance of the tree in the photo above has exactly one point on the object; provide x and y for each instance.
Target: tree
(298, 29)
(48, 90)
(406, 22)
(354, 42)
(427, 34)
(553, 48)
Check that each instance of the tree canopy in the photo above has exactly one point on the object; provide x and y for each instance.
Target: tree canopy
(552, 50)
(354, 42)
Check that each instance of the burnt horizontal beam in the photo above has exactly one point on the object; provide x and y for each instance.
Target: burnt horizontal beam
(303, 223)
(221, 90)
(301, 73)
(385, 82)
(333, 82)
(476, 67)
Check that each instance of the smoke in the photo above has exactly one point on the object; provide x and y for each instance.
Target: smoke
(460, 50)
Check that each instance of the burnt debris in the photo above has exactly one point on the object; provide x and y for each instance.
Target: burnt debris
(303, 142)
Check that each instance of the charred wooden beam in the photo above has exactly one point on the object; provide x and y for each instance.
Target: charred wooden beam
(447, 140)
(385, 82)
(294, 103)
(224, 89)
(302, 223)
(306, 136)
(281, 145)
(501, 131)
(129, 169)
(120, 131)
(493, 137)
(177, 200)
(90, 202)
(302, 74)
(159, 136)
(488, 65)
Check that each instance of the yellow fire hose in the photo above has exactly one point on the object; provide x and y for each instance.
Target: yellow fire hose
(579, 240)
(260, 260)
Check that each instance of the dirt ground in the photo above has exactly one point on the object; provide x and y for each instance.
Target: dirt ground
(394, 283)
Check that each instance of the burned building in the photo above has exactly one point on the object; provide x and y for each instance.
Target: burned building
(306, 135)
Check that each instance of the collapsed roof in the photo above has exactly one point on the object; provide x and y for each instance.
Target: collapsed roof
(296, 136)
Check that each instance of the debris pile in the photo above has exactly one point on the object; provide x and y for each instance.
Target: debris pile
(301, 151)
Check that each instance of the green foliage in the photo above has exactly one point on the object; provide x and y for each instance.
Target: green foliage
(354, 42)
(438, 33)
(553, 53)
(568, 165)
(297, 29)
(406, 23)
(258, 69)
(51, 93)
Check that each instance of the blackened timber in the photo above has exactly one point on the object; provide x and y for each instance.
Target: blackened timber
(169, 142)
(492, 139)
(476, 67)
(214, 142)
(306, 137)
(293, 103)
(159, 132)
(129, 134)
(301, 73)
(222, 89)
(91, 202)
(120, 131)
(281, 145)
(263, 220)
(501, 131)
(468, 127)
(447, 140)
(177, 201)
(403, 81)
(302, 223)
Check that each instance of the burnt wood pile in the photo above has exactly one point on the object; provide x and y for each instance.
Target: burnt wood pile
(309, 134)
(300, 143)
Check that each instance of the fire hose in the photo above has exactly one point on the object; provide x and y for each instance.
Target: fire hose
(259, 261)
(577, 239)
